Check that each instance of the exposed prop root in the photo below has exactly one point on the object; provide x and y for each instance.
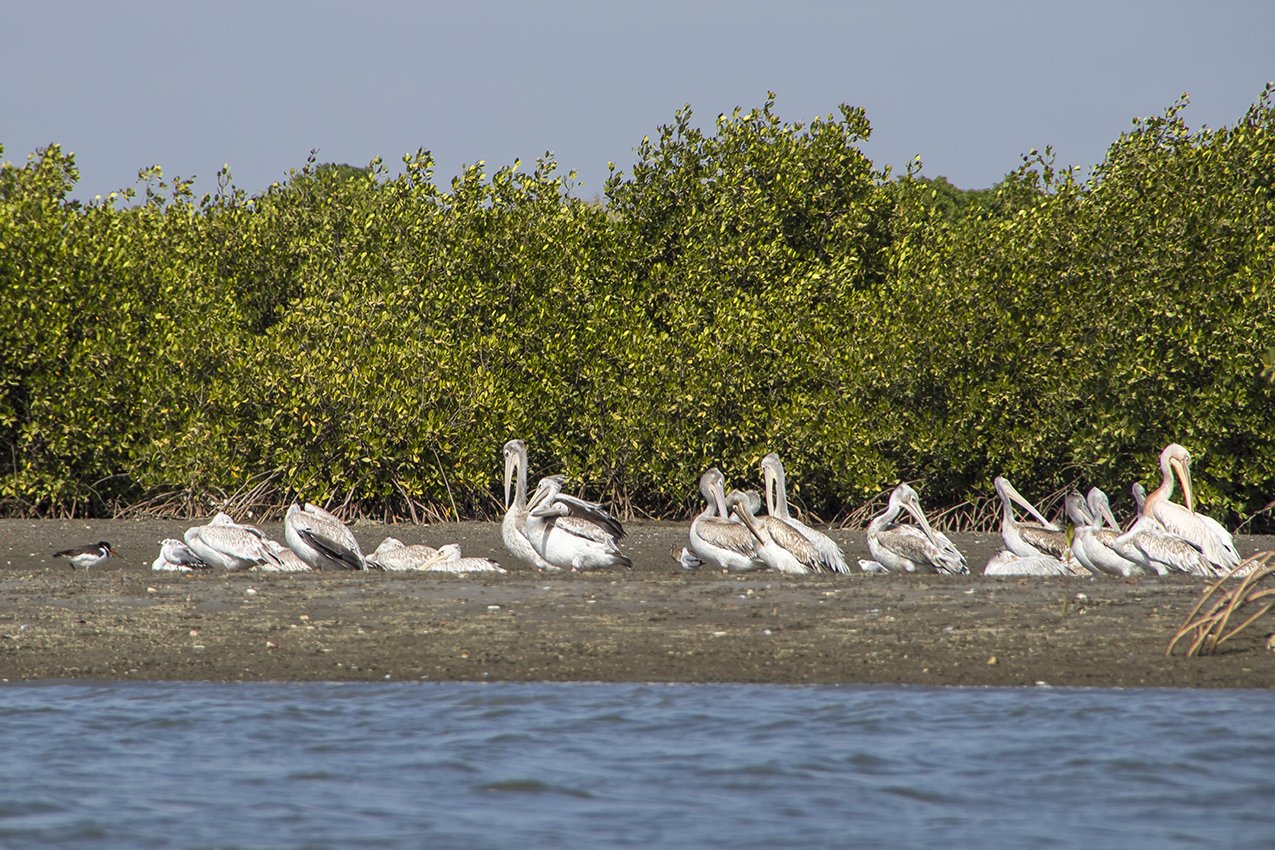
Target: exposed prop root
(1209, 624)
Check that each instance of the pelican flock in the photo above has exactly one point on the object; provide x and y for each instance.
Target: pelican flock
(741, 532)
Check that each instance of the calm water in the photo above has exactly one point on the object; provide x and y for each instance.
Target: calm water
(589, 766)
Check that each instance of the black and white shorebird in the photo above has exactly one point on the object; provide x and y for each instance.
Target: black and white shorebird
(86, 557)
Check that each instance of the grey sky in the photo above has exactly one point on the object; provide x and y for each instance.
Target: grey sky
(257, 84)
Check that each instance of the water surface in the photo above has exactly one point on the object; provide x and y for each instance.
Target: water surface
(195, 765)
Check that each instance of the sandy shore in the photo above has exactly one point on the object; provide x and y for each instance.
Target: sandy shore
(654, 623)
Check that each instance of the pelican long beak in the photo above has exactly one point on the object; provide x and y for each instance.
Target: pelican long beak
(1107, 516)
(769, 484)
(510, 463)
(719, 496)
(740, 508)
(919, 515)
(1184, 475)
(1027, 506)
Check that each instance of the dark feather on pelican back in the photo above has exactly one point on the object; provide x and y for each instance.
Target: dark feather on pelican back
(1046, 540)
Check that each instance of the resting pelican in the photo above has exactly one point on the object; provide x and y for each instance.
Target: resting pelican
(1027, 539)
(392, 556)
(570, 532)
(778, 556)
(1093, 544)
(1139, 495)
(321, 540)
(716, 539)
(450, 560)
(176, 557)
(1202, 532)
(896, 547)
(1006, 563)
(289, 562)
(826, 554)
(226, 544)
(513, 529)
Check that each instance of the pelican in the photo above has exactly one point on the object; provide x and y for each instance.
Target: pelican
(1139, 495)
(715, 538)
(1162, 552)
(570, 532)
(778, 556)
(1093, 544)
(226, 544)
(321, 540)
(896, 547)
(513, 529)
(1202, 532)
(176, 557)
(289, 561)
(1007, 563)
(450, 560)
(392, 556)
(826, 555)
(1099, 534)
(1027, 539)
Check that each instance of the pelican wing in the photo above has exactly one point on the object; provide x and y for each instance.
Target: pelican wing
(829, 557)
(326, 538)
(908, 542)
(728, 535)
(1049, 541)
(594, 513)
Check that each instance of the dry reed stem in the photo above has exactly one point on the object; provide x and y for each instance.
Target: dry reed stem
(1212, 628)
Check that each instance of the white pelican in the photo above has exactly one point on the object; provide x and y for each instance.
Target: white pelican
(896, 547)
(513, 529)
(1007, 563)
(1109, 531)
(176, 557)
(1161, 552)
(87, 557)
(289, 561)
(1095, 545)
(226, 544)
(450, 560)
(570, 532)
(715, 538)
(321, 540)
(1202, 532)
(827, 555)
(393, 556)
(778, 556)
(1139, 495)
(1027, 539)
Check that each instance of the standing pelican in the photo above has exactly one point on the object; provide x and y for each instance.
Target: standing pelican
(570, 532)
(715, 538)
(896, 547)
(513, 529)
(826, 555)
(321, 540)
(226, 544)
(1202, 532)
(1027, 539)
(1093, 544)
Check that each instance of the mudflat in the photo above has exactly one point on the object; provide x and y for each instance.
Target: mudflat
(655, 622)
